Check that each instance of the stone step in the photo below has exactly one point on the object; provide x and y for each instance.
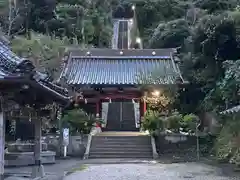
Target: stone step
(117, 155)
(118, 129)
(132, 146)
(110, 139)
(121, 137)
(121, 145)
(120, 141)
(122, 153)
(126, 150)
(107, 142)
(122, 133)
(116, 145)
(128, 121)
(118, 136)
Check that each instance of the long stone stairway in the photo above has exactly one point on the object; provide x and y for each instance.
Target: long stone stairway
(128, 118)
(114, 122)
(121, 117)
(121, 145)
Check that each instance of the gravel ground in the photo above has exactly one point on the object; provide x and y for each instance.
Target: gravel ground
(151, 171)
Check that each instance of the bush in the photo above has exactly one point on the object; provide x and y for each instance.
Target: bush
(223, 145)
(227, 145)
(188, 123)
(174, 122)
(78, 121)
(152, 121)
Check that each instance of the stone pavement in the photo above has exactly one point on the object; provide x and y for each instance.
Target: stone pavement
(177, 171)
(63, 166)
(125, 169)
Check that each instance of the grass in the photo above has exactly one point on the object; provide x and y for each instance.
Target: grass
(76, 169)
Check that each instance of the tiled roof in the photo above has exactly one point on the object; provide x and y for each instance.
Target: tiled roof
(235, 109)
(14, 68)
(11, 66)
(96, 52)
(126, 70)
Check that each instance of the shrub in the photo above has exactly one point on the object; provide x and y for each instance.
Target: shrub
(174, 122)
(78, 121)
(152, 121)
(188, 123)
(227, 146)
(223, 145)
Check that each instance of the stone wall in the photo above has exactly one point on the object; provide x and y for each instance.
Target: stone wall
(176, 145)
(76, 147)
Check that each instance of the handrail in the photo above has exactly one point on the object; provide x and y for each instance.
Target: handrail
(154, 149)
(86, 154)
(93, 132)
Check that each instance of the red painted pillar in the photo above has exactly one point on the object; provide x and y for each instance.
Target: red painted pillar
(97, 109)
(144, 107)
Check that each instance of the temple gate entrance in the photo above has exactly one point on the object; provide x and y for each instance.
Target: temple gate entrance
(121, 116)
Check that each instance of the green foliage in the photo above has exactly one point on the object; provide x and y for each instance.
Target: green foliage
(171, 34)
(216, 5)
(188, 122)
(78, 121)
(44, 51)
(174, 122)
(152, 121)
(228, 141)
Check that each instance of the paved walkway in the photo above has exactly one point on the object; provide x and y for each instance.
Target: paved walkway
(180, 171)
(128, 169)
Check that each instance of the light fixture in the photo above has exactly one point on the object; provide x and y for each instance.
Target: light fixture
(110, 100)
(85, 100)
(155, 93)
(88, 53)
(153, 53)
(133, 7)
(138, 40)
(25, 86)
(121, 53)
(131, 21)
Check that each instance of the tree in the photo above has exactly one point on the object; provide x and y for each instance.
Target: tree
(44, 51)
(170, 35)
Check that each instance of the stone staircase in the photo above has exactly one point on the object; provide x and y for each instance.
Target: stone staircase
(121, 117)
(115, 34)
(113, 122)
(121, 145)
(123, 32)
(128, 118)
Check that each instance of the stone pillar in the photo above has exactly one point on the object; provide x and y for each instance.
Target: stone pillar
(38, 170)
(2, 138)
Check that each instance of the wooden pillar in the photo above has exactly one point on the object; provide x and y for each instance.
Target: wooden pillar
(97, 109)
(38, 170)
(144, 107)
(2, 138)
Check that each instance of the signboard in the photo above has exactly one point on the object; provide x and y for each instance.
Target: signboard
(65, 136)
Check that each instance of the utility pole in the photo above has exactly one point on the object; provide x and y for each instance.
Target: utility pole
(2, 137)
